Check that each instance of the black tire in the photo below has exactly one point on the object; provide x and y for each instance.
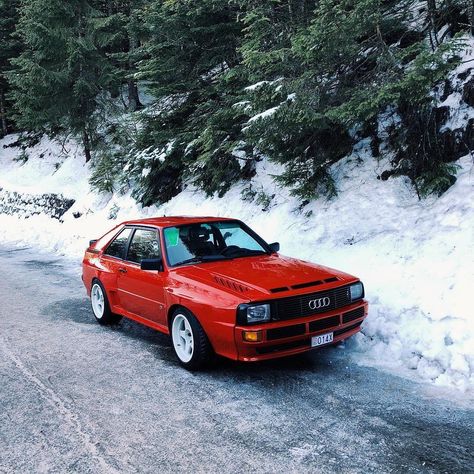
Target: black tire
(202, 353)
(107, 318)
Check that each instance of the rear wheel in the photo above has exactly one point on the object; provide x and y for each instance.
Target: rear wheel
(100, 305)
(190, 342)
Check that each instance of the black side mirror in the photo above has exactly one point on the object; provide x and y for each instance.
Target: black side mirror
(152, 264)
(92, 242)
(275, 246)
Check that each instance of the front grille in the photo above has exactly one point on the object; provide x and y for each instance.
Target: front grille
(288, 331)
(353, 315)
(325, 323)
(298, 306)
(344, 330)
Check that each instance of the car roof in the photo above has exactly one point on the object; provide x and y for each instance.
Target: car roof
(169, 221)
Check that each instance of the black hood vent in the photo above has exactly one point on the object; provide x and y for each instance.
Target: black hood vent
(303, 285)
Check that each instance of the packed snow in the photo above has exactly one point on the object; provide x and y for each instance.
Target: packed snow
(415, 257)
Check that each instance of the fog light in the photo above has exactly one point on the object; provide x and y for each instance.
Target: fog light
(252, 336)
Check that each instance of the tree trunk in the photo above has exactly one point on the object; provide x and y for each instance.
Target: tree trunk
(303, 10)
(432, 19)
(134, 103)
(87, 145)
(3, 114)
(471, 17)
(86, 142)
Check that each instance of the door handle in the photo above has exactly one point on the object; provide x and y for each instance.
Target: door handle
(122, 270)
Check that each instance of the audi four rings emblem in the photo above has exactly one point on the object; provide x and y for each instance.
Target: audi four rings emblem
(320, 303)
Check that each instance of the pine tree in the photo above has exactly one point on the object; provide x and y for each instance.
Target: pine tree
(59, 76)
(191, 59)
(190, 43)
(354, 59)
(328, 68)
(9, 48)
(124, 29)
(269, 26)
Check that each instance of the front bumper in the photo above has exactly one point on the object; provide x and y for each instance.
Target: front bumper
(283, 338)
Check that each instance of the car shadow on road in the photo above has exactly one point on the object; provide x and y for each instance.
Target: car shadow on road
(316, 361)
(77, 310)
(71, 309)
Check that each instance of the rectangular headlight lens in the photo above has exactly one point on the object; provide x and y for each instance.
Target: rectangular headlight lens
(357, 291)
(258, 313)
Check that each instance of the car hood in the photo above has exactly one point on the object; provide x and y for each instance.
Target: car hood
(266, 276)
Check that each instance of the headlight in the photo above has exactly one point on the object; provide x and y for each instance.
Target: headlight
(258, 313)
(357, 291)
(248, 314)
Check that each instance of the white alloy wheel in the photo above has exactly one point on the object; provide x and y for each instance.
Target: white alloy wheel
(97, 299)
(183, 338)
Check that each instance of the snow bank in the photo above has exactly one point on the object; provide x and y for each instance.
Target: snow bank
(51, 167)
(415, 257)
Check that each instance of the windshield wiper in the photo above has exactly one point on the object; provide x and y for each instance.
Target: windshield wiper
(203, 258)
(247, 253)
(254, 252)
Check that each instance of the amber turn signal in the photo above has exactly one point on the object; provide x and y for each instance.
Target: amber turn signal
(252, 336)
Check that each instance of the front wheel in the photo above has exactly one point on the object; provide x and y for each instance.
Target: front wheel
(190, 342)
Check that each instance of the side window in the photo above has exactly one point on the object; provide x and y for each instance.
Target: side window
(145, 245)
(117, 247)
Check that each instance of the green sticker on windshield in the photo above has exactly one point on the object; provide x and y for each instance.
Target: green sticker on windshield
(172, 236)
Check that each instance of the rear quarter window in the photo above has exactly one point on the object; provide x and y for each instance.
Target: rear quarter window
(102, 242)
(118, 246)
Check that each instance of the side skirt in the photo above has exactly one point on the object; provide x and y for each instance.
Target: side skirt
(139, 319)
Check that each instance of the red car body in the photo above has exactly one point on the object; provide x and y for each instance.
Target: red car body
(213, 291)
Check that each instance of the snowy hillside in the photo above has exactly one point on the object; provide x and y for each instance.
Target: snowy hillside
(415, 257)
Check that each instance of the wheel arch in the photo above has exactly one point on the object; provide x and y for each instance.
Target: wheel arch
(94, 279)
(172, 309)
(176, 306)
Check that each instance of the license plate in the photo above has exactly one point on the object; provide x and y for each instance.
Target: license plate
(322, 339)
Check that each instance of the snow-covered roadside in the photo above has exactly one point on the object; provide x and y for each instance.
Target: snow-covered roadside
(415, 258)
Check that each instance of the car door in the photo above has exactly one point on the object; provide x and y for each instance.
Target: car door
(142, 292)
(112, 259)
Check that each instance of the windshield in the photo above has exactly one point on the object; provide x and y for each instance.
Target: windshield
(211, 241)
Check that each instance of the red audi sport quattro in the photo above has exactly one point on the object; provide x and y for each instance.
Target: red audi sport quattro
(216, 287)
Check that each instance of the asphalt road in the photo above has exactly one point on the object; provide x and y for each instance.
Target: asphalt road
(77, 397)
